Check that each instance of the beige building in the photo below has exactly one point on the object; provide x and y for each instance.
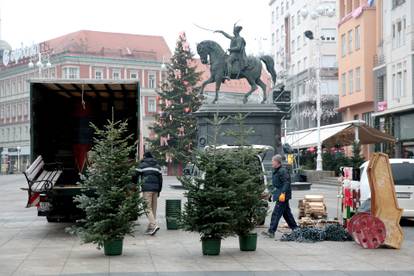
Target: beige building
(78, 55)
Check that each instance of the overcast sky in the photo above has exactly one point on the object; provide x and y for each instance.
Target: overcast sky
(28, 21)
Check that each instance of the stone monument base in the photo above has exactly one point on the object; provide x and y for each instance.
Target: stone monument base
(264, 119)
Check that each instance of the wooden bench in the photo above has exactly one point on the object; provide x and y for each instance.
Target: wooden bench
(41, 177)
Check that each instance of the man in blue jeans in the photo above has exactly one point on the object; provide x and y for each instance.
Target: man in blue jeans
(282, 193)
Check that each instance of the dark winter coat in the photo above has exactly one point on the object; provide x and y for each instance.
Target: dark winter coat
(150, 172)
(281, 183)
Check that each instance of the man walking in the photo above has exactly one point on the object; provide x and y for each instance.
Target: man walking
(282, 193)
(150, 173)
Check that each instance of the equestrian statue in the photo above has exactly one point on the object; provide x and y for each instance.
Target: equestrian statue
(235, 65)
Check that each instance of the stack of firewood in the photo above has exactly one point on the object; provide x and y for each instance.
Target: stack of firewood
(312, 206)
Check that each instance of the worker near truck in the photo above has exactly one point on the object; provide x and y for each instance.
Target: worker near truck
(281, 194)
(149, 172)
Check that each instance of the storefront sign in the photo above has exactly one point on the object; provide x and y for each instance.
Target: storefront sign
(382, 106)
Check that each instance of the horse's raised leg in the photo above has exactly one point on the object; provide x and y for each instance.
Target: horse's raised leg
(252, 89)
(218, 84)
(263, 86)
(210, 80)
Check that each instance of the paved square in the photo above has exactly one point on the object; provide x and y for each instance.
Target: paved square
(29, 245)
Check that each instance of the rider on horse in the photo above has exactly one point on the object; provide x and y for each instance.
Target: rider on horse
(238, 58)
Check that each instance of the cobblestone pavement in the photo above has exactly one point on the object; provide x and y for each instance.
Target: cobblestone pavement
(29, 245)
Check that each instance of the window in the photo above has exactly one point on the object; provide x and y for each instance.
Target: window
(299, 64)
(293, 46)
(393, 36)
(328, 34)
(404, 25)
(304, 40)
(305, 63)
(151, 80)
(398, 33)
(404, 80)
(277, 13)
(70, 72)
(298, 42)
(298, 17)
(133, 75)
(152, 107)
(343, 83)
(396, 3)
(351, 81)
(343, 45)
(293, 22)
(357, 37)
(328, 61)
(116, 74)
(277, 35)
(273, 17)
(98, 73)
(350, 41)
(399, 85)
(367, 117)
(273, 39)
(358, 79)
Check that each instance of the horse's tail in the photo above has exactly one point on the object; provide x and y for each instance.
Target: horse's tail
(270, 66)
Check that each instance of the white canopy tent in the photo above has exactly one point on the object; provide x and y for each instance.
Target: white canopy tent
(337, 134)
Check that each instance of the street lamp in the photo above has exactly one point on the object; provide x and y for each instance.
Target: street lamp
(39, 64)
(315, 14)
(18, 158)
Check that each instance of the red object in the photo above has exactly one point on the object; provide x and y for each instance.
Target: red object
(347, 197)
(368, 231)
(80, 152)
(34, 199)
(350, 223)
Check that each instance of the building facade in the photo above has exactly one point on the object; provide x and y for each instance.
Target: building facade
(393, 74)
(297, 58)
(356, 52)
(79, 55)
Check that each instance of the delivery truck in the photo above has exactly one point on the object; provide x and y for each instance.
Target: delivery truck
(62, 112)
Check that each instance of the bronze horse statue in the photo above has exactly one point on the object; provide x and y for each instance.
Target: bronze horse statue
(209, 50)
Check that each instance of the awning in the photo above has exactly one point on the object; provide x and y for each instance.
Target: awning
(337, 134)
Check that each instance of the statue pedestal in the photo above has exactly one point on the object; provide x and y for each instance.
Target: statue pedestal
(264, 119)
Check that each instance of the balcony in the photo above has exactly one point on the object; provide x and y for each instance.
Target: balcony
(379, 60)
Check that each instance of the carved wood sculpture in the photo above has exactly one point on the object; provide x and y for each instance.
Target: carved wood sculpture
(384, 204)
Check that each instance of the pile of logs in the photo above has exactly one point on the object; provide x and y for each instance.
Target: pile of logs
(313, 207)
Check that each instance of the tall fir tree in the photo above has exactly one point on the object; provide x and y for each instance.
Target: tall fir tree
(175, 126)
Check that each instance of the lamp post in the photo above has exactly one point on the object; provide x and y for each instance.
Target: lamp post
(41, 57)
(18, 158)
(314, 15)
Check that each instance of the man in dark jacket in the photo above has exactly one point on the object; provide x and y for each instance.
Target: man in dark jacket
(282, 193)
(150, 173)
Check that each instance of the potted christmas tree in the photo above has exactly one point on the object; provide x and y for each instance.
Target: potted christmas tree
(209, 198)
(247, 182)
(116, 202)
